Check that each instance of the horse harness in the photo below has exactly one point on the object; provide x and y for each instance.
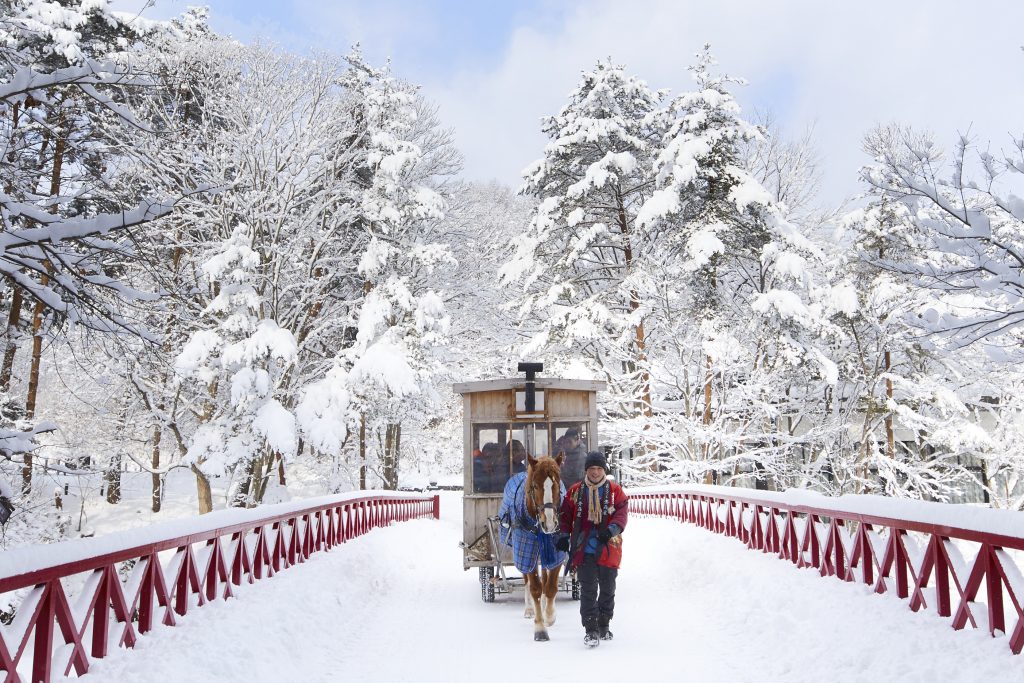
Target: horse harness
(522, 518)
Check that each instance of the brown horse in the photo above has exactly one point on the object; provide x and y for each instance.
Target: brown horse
(543, 500)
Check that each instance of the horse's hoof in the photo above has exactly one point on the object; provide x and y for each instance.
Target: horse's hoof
(541, 636)
(527, 615)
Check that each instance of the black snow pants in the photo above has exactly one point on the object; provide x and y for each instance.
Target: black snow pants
(597, 592)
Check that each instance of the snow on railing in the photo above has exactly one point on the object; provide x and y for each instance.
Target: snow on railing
(912, 548)
(120, 585)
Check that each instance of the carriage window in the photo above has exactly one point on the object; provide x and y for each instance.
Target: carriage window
(538, 401)
(490, 458)
(516, 448)
(537, 442)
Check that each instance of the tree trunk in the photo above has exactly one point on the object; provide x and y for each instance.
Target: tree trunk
(13, 322)
(257, 484)
(113, 478)
(14, 315)
(392, 444)
(37, 321)
(264, 472)
(639, 338)
(242, 497)
(890, 444)
(156, 465)
(362, 451)
(280, 466)
(709, 475)
(33, 384)
(203, 490)
(985, 482)
(367, 288)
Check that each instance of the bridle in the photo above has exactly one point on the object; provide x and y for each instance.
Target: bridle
(540, 508)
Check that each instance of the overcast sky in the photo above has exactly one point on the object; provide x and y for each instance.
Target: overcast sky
(496, 67)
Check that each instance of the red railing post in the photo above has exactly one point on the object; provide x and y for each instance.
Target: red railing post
(437, 507)
(790, 541)
(42, 652)
(996, 618)
(101, 616)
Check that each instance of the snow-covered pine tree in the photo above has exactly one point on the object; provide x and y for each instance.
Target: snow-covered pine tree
(241, 359)
(737, 282)
(385, 372)
(583, 261)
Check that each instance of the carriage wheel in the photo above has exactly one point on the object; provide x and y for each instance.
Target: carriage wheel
(487, 584)
(575, 587)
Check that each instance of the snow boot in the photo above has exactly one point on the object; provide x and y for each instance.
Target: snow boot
(593, 637)
(602, 627)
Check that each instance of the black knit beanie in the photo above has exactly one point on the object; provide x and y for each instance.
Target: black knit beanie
(596, 458)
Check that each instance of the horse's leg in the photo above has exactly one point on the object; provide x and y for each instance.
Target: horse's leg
(536, 590)
(527, 598)
(550, 591)
(542, 575)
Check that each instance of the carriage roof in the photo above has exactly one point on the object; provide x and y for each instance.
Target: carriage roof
(520, 383)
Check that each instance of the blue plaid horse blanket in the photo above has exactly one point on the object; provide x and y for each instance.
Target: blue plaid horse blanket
(530, 546)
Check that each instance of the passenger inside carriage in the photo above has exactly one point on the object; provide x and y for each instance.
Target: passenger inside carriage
(515, 454)
(575, 454)
(490, 469)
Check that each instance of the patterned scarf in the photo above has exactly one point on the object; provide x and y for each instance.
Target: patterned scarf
(594, 511)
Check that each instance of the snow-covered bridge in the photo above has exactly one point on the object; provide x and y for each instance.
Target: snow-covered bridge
(394, 604)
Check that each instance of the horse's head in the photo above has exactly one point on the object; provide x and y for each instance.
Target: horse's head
(543, 496)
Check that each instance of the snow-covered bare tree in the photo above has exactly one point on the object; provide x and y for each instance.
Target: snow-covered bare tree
(969, 232)
(67, 73)
(954, 243)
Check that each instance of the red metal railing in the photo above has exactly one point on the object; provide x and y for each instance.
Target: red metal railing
(107, 608)
(881, 552)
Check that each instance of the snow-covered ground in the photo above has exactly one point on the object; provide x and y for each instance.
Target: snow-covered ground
(395, 605)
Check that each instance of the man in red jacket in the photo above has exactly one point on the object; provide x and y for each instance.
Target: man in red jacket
(593, 517)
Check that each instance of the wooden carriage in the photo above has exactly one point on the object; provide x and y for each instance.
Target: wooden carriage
(503, 420)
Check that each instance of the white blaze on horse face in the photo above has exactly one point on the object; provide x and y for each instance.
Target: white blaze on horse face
(549, 510)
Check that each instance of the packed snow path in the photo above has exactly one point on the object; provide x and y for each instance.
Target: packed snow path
(395, 605)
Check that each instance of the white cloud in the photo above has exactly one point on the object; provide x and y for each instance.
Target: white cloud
(843, 67)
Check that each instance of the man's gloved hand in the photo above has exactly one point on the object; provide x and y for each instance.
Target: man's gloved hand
(562, 544)
(604, 535)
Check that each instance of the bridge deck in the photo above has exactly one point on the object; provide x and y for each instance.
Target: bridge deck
(396, 605)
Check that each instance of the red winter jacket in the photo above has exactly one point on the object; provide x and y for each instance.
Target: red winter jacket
(579, 526)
